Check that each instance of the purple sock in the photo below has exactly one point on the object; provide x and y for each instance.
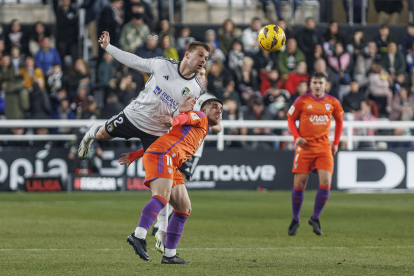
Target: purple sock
(175, 229)
(320, 200)
(150, 211)
(297, 199)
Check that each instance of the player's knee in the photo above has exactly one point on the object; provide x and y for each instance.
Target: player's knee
(325, 183)
(300, 184)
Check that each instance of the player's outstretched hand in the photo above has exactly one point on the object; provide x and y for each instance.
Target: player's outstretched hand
(334, 149)
(104, 39)
(300, 141)
(188, 104)
(124, 160)
(165, 120)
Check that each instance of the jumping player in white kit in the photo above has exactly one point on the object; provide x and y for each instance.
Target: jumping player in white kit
(173, 87)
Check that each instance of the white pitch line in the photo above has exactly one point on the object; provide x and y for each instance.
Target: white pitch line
(215, 249)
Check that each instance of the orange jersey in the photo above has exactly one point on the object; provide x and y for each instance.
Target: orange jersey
(315, 116)
(182, 141)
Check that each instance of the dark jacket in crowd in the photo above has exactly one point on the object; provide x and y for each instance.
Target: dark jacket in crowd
(307, 40)
(66, 25)
(399, 63)
(111, 110)
(89, 6)
(40, 107)
(407, 42)
(388, 6)
(17, 99)
(107, 22)
(352, 101)
(144, 52)
(148, 15)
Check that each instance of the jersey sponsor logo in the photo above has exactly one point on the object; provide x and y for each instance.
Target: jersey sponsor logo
(165, 98)
(309, 106)
(319, 119)
(328, 106)
(185, 92)
(291, 110)
(157, 91)
(194, 116)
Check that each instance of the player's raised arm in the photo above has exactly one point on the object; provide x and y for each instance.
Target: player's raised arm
(128, 59)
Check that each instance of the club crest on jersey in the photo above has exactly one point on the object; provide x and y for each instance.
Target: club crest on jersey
(328, 106)
(110, 128)
(157, 91)
(185, 92)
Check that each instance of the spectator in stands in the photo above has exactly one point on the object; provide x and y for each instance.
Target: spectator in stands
(6, 72)
(55, 81)
(215, 55)
(169, 51)
(2, 47)
(364, 62)
(139, 6)
(393, 61)
(67, 26)
(232, 112)
(90, 109)
(228, 91)
(388, 11)
(17, 99)
(16, 36)
(383, 38)
(111, 20)
(341, 64)
(105, 69)
(357, 10)
(126, 90)
(400, 81)
(64, 113)
(331, 37)
(379, 84)
(300, 91)
(165, 29)
(297, 76)
(210, 36)
(112, 107)
(265, 60)
(150, 48)
(247, 86)
(286, 28)
(351, 102)
(134, 33)
(46, 57)
(249, 37)
(276, 99)
(268, 79)
(333, 84)
(236, 56)
(318, 53)
(408, 39)
(160, 6)
(90, 21)
(39, 33)
(16, 58)
(80, 73)
(215, 78)
(307, 37)
(364, 114)
(258, 111)
(410, 62)
(30, 73)
(278, 9)
(288, 59)
(184, 38)
(357, 45)
(80, 99)
(227, 34)
(56, 97)
(403, 106)
(40, 107)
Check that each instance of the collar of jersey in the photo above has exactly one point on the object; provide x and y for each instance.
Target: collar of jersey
(318, 99)
(178, 69)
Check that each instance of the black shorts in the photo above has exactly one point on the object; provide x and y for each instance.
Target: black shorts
(120, 127)
(188, 167)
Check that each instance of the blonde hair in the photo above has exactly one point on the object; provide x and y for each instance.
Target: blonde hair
(248, 61)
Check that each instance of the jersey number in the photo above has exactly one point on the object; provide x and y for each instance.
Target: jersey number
(119, 121)
(169, 161)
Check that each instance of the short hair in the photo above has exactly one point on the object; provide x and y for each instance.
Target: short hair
(384, 26)
(255, 19)
(193, 45)
(319, 75)
(309, 18)
(209, 101)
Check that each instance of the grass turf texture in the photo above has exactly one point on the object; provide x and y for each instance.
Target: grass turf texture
(228, 233)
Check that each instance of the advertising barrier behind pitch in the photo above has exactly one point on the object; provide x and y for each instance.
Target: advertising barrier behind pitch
(44, 170)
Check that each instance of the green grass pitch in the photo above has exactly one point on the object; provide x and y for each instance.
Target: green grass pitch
(228, 233)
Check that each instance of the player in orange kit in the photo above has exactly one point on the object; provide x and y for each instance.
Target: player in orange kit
(313, 149)
(161, 162)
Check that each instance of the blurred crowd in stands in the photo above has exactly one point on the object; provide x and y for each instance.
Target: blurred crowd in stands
(42, 76)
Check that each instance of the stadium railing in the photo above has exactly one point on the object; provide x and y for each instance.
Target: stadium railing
(347, 136)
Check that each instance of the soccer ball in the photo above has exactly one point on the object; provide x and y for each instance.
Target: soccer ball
(272, 38)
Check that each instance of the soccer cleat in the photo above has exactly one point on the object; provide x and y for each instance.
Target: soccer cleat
(293, 228)
(139, 245)
(160, 238)
(85, 146)
(173, 260)
(316, 226)
(154, 231)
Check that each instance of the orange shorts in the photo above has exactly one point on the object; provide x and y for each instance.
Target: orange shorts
(157, 166)
(304, 161)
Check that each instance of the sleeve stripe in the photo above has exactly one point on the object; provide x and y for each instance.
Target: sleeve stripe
(199, 83)
(173, 61)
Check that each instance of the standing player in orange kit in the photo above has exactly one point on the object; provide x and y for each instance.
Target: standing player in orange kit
(313, 149)
(161, 162)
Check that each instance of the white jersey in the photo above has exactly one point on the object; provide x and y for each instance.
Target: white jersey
(197, 107)
(164, 91)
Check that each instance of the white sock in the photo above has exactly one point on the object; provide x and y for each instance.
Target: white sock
(140, 233)
(162, 218)
(170, 252)
(93, 130)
